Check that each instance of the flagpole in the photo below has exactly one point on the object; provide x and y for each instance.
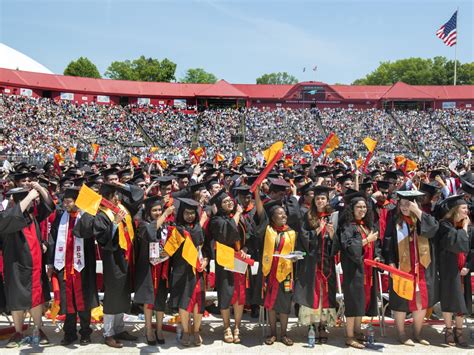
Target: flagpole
(456, 46)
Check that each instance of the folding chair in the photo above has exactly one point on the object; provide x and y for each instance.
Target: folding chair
(381, 308)
(340, 296)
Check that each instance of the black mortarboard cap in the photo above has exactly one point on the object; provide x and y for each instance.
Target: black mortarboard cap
(390, 175)
(270, 206)
(409, 195)
(71, 192)
(351, 194)
(428, 188)
(453, 201)
(383, 184)
(218, 197)
(345, 177)
(243, 190)
(187, 203)
(322, 190)
(18, 193)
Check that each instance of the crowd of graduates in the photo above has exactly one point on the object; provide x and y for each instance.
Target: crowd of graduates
(32, 128)
(266, 233)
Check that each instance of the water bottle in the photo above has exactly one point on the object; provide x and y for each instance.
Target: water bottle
(35, 339)
(141, 316)
(370, 335)
(179, 333)
(311, 336)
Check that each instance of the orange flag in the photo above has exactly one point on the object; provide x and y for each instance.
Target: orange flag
(225, 255)
(190, 252)
(153, 149)
(370, 144)
(359, 162)
(72, 151)
(308, 148)
(163, 164)
(218, 158)
(88, 200)
(95, 149)
(135, 161)
(198, 153)
(333, 143)
(288, 161)
(237, 160)
(270, 153)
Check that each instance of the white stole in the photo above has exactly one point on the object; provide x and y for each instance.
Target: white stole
(61, 241)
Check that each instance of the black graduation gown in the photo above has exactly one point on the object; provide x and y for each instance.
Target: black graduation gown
(82, 229)
(144, 278)
(454, 295)
(18, 263)
(224, 230)
(427, 227)
(118, 285)
(254, 291)
(349, 243)
(183, 279)
(316, 253)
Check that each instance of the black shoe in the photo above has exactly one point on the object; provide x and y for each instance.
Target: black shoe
(150, 342)
(68, 340)
(125, 336)
(85, 340)
(158, 340)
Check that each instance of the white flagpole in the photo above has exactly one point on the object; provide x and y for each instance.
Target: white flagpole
(456, 46)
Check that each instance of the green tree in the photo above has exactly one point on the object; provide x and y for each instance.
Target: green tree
(419, 71)
(82, 67)
(277, 78)
(142, 69)
(199, 76)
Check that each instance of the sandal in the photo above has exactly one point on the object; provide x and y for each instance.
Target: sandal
(323, 338)
(185, 339)
(228, 338)
(270, 340)
(459, 338)
(287, 341)
(449, 337)
(422, 341)
(236, 336)
(353, 343)
(197, 339)
(360, 337)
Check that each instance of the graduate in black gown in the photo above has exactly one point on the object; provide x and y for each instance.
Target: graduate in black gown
(410, 246)
(24, 257)
(227, 228)
(73, 256)
(276, 237)
(315, 282)
(254, 290)
(357, 239)
(456, 261)
(115, 234)
(188, 283)
(152, 275)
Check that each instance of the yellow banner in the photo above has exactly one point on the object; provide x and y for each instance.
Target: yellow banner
(225, 255)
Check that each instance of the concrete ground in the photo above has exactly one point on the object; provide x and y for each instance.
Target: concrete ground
(252, 341)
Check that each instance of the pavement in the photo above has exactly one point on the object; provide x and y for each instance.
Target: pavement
(252, 341)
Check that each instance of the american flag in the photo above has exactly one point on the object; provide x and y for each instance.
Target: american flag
(448, 32)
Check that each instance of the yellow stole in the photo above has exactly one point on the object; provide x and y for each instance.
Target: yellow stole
(285, 267)
(122, 227)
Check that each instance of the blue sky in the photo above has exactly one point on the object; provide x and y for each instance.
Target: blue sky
(237, 40)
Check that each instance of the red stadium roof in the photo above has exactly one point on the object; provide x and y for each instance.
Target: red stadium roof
(61, 83)
(221, 89)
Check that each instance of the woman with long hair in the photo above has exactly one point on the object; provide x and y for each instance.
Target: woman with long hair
(357, 240)
(315, 284)
(456, 260)
(278, 238)
(409, 245)
(227, 228)
(152, 270)
(188, 292)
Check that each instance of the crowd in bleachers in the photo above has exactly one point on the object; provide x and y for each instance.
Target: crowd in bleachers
(36, 127)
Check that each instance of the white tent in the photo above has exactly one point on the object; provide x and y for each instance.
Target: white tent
(12, 59)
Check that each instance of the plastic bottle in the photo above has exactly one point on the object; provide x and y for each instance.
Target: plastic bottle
(311, 336)
(35, 339)
(370, 335)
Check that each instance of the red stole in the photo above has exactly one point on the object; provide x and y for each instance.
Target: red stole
(36, 263)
